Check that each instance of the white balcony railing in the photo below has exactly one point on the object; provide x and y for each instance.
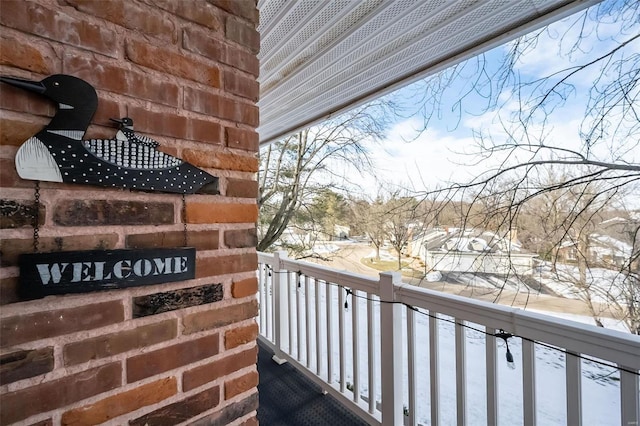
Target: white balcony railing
(396, 353)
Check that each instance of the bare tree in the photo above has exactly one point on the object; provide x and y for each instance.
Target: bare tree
(517, 145)
(372, 217)
(295, 169)
(401, 217)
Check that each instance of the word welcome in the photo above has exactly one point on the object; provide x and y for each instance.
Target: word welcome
(82, 271)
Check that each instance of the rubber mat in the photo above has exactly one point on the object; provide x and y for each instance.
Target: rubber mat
(287, 397)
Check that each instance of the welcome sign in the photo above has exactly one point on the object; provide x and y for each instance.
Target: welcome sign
(43, 274)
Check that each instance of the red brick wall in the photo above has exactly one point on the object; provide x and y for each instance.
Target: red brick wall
(181, 352)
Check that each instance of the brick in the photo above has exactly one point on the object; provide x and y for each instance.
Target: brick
(12, 248)
(32, 56)
(221, 213)
(122, 403)
(16, 99)
(104, 76)
(241, 85)
(206, 373)
(245, 35)
(245, 61)
(221, 160)
(181, 411)
(116, 343)
(215, 318)
(129, 15)
(201, 240)
(112, 212)
(58, 393)
(242, 139)
(41, 325)
(9, 290)
(157, 303)
(231, 413)
(171, 125)
(20, 365)
(19, 214)
(164, 124)
(240, 384)
(244, 288)
(9, 177)
(201, 13)
(35, 18)
(241, 238)
(222, 265)
(240, 336)
(16, 132)
(204, 131)
(211, 104)
(242, 188)
(201, 42)
(244, 8)
(172, 62)
(153, 363)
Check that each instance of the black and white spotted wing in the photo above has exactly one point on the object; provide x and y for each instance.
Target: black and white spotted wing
(136, 156)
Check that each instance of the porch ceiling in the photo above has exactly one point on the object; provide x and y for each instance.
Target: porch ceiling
(321, 57)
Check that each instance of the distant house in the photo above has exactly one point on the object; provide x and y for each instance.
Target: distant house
(455, 250)
(604, 251)
(341, 232)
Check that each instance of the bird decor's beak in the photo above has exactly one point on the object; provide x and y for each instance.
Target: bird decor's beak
(115, 120)
(31, 86)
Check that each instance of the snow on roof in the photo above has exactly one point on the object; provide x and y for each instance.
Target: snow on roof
(609, 245)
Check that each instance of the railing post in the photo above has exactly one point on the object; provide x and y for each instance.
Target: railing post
(391, 350)
(279, 304)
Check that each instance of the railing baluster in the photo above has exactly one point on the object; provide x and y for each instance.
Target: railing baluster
(355, 340)
(630, 407)
(529, 382)
(261, 308)
(372, 354)
(301, 318)
(318, 330)
(461, 373)
(434, 374)
(329, 308)
(268, 304)
(288, 289)
(411, 360)
(278, 305)
(307, 302)
(574, 389)
(492, 378)
(343, 384)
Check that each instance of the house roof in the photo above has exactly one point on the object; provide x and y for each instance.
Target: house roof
(322, 57)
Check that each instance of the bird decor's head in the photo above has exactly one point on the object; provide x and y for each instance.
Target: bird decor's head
(125, 123)
(76, 99)
(67, 91)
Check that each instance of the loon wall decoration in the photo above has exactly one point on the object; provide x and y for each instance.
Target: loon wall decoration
(58, 153)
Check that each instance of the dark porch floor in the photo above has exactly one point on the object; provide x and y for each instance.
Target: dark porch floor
(287, 397)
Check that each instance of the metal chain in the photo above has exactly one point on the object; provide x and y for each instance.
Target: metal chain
(36, 218)
(184, 219)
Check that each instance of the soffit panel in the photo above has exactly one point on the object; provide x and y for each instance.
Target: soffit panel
(319, 57)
